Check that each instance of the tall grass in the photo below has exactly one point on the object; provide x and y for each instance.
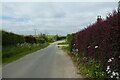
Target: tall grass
(15, 46)
(13, 52)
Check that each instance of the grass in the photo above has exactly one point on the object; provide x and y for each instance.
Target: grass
(87, 67)
(14, 52)
(62, 43)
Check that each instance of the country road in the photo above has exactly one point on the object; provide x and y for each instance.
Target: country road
(50, 62)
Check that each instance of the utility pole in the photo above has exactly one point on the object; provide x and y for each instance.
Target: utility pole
(35, 30)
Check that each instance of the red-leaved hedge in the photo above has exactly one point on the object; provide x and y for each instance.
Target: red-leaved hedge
(101, 41)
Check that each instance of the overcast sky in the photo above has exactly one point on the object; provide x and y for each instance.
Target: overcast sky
(52, 17)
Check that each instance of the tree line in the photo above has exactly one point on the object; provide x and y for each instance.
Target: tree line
(9, 38)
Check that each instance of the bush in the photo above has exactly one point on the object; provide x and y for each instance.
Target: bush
(61, 37)
(69, 41)
(30, 39)
(11, 38)
(42, 38)
(101, 41)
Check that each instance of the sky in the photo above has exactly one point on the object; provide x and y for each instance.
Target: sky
(51, 17)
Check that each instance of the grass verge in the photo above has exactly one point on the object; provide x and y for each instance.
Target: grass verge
(63, 43)
(14, 52)
(87, 67)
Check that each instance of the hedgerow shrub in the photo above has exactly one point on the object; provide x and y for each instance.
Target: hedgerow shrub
(30, 39)
(101, 41)
(69, 40)
(11, 38)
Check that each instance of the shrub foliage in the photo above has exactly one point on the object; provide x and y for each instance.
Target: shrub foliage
(101, 41)
(11, 38)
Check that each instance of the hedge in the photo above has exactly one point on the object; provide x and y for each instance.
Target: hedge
(9, 38)
(101, 41)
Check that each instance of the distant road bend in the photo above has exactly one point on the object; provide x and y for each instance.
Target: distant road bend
(50, 62)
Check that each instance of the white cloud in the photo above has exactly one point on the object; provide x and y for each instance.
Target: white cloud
(53, 18)
(59, 0)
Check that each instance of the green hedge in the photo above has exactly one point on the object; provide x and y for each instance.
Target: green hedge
(9, 38)
(69, 41)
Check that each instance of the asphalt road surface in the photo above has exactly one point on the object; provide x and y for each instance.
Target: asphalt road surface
(50, 62)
